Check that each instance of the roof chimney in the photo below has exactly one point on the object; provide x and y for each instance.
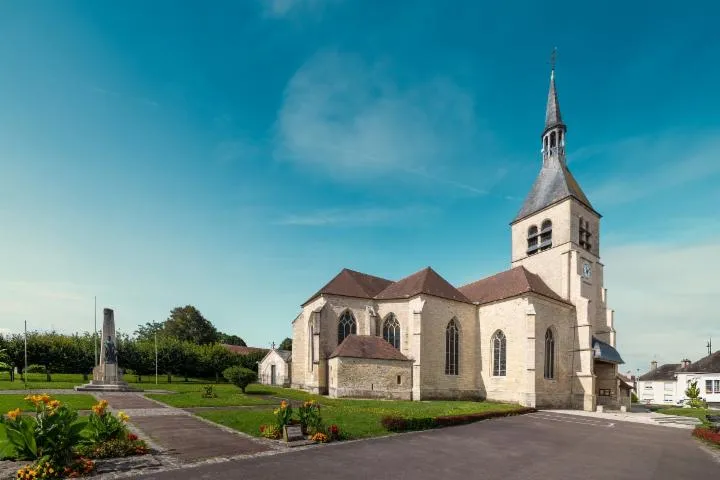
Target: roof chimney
(653, 365)
(685, 363)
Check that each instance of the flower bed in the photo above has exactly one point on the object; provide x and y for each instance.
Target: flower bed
(402, 424)
(309, 419)
(708, 434)
(59, 445)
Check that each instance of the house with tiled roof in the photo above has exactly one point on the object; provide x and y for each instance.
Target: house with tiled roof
(540, 333)
(666, 384)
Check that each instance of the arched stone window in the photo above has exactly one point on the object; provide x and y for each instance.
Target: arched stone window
(546, 235)
(549, 354)
(499, 346)
(391, 331)
(452, 348)
(346, 326)
(532, 240)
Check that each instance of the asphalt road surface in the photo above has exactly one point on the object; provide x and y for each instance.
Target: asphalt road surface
(538, 446)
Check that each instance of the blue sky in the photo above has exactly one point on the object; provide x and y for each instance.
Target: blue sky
(237, 156)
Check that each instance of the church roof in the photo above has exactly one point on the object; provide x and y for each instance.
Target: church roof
(709, 364)
(350, 283)
(367, 346)
(552, 110)
(426, 281)
(553, 183)
(510, 283)
(663, 372)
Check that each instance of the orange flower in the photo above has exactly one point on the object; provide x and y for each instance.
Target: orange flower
(13, 414)
(283, 404)
(54, 403)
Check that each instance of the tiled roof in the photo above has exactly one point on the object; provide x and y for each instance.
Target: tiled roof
(284, 354)
(245, 350)
(709, 364)
(509, 283)
(367, 346)
(553, 183)
(350, 283)
(663, 372)
(426, 281)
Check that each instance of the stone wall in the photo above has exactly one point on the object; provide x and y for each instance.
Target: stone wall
(370, 378)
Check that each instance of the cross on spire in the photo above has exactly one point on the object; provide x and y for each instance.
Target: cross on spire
(553, 58)
(273, 345)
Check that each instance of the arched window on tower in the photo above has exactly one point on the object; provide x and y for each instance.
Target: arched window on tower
(452, 348)
(499, 345)
(546, 235)
(391, 331)
(553, 140)
(346, 326)
(532, 240)
(549, 354)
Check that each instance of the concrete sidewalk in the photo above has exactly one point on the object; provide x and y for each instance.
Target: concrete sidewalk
(181, 435)
(647, 418)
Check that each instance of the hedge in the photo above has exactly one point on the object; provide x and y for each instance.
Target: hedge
(401, 424)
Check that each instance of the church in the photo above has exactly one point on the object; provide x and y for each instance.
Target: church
(539, 334)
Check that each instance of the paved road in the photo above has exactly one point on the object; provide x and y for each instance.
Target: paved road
(538, 446)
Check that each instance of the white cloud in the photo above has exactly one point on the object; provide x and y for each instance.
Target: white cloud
(665, 299)
(351, 120)
(357, 217)
(654, 164)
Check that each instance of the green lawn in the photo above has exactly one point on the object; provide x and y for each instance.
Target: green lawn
(38, 381)
(76, 402)
(698, 413)
(356, 418)
(231, 396)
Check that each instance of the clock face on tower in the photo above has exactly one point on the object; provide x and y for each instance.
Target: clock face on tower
(586, 270)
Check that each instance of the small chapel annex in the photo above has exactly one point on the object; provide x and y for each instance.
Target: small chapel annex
(540, 334)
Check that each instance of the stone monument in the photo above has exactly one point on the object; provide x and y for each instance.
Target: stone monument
(107, 377)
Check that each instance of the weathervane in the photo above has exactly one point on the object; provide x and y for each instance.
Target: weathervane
(553, 58)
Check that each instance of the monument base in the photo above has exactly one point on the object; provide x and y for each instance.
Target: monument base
(107, 378)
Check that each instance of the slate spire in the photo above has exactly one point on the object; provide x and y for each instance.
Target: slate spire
(552, 111)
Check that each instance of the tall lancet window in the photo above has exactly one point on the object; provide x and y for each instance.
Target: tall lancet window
(499, 345)
(391, 331)
(452, 348)
(346, 326)
(549, 354)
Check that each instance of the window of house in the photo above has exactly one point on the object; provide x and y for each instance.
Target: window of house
(532, 240)
(549, 354)
(717, 386)
(545, 235)
(669, 386)
(708, 386)
(391, 331)
(499, 345)
(346, 326)
(452, 338)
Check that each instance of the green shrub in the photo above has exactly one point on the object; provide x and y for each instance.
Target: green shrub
(310, 418)
(240, 377)
(103, 426)
(35, 369)
(209, 392)
(633, 398)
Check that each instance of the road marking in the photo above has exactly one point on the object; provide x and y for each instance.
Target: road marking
(553, 418)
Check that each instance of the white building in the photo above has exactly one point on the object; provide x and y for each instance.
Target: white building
(274, 368)
(666, 385)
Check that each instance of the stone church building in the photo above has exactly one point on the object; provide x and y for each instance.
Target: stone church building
(540, 334)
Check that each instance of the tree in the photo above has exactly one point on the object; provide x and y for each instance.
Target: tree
(187, 324)
(232, 340)
(215, 359)
(240, 377)
(147, 332)
(693, 395)
(286, 344)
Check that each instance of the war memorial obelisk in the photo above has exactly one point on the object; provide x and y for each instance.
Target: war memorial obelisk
(107, 376)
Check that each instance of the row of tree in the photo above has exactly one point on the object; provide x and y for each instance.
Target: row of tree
(58, 353)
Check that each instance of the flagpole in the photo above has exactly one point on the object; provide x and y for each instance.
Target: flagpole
(156, 360)
(95, 333)
(25, 370)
